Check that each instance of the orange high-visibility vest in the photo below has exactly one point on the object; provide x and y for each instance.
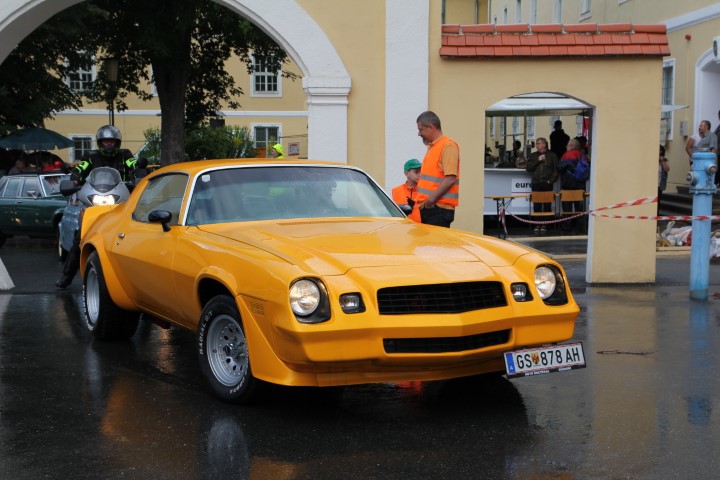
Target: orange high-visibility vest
(431, 175)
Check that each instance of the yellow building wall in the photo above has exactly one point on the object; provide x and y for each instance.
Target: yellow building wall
(357, 30)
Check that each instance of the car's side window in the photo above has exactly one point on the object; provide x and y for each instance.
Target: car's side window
(31, 189)
(162, 193)
(13, 188)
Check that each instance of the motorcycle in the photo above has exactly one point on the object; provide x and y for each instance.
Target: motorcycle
(104, 186)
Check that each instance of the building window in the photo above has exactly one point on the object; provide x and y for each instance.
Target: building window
(81, 80)
(505, 15)
(265, 82)
(557, 11)
(531, 128)
(668, 93)
(585, 9)
(265, 135)
(83, 145)
(518, 11)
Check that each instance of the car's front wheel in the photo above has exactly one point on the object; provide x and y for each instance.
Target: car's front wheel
(104, 319)
(223, 352)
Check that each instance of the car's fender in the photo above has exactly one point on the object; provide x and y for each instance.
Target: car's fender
(95, 243)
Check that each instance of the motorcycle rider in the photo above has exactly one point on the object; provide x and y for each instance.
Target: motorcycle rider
(108, 154)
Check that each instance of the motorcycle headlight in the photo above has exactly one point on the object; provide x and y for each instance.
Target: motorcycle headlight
(104, 199)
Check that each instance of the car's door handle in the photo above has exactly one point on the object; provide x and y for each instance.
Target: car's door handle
(121, 235)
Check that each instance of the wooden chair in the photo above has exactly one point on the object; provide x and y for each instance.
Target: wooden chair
(573, 202)
(542, 197)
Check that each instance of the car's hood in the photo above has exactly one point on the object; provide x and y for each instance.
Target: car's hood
(330, 247)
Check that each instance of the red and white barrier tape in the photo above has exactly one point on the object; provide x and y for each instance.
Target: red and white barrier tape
(632, 203)
(661, 217)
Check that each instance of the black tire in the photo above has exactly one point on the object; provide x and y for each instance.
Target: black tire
(2, 239)
(223, 352)
(62, 253)
(104, 319)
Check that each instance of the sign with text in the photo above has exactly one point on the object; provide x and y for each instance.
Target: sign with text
(520, 186)
(293, 149)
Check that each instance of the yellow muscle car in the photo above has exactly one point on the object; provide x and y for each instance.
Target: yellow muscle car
(306, 273)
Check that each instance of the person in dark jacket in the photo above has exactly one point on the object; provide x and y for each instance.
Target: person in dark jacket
(566, 169)
(542, 166)
(558, 139)
(108, 154)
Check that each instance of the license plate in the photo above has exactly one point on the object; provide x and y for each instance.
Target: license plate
(541, 360)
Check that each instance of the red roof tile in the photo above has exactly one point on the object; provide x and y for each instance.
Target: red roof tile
(547, 28)
(512, 28)
(581, 28)
(456, 40)
(487, 28)
(451, 29)
(508, 39)
(576, 50)
(615, 27)
(548, 40)
(659, 28)
(474, 40)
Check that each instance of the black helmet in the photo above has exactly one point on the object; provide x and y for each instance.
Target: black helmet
(111, 132)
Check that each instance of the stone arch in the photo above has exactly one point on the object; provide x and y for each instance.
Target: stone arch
(326, 81)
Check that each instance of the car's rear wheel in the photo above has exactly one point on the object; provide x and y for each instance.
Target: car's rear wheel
(2, 239)
(62, 253)
(104, 319)
(223, 352)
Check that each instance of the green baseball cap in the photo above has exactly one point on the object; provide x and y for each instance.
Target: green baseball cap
(412, 163)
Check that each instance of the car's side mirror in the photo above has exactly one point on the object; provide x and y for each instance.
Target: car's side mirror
(406, 209)
(162, 217)
(68, 187)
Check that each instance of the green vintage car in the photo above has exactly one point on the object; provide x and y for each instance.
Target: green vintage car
(31, 204)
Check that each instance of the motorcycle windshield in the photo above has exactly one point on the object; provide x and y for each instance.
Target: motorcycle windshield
(104, 179)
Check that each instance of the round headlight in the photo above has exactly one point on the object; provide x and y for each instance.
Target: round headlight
(545, 281)
(304, 297)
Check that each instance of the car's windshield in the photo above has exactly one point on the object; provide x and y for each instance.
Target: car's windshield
(281, 192)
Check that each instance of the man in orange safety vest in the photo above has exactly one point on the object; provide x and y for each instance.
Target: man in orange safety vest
(439, 184)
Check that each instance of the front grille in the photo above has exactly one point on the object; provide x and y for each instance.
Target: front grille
(443, 298)
(445, 344)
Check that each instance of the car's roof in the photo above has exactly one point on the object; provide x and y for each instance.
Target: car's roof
(35, 174)
(199, 165)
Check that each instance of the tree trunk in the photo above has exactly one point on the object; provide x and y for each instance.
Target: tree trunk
(171, 83)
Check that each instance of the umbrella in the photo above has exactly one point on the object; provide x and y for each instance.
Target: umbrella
(35, 138)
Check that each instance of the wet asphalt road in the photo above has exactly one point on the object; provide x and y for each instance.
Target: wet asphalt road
(647, 406)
